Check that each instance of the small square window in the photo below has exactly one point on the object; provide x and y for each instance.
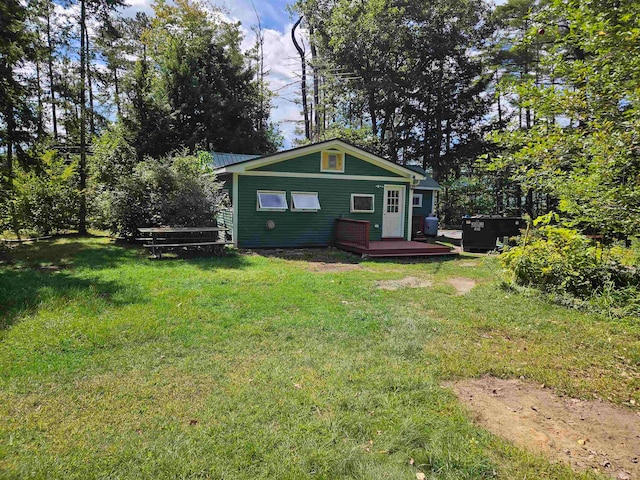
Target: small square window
(304, 202)
(332, 161)
(417, 200)
(362, 203)
(272, 201)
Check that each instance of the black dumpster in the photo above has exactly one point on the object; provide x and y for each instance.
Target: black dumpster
(481, 233)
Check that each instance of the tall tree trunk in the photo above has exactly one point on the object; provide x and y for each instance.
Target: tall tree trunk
(54, 119)
(316, 86)
(92, 122)
(11, 127)
(305, 108)
(372, 111)
(529, 205)
(40, 120)
(499, 195)
(519, 199)
(499, 101)
(82, 170)
(117, 91)
(260, 73)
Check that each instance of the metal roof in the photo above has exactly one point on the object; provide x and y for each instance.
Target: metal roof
(221, 159)
(428, 184)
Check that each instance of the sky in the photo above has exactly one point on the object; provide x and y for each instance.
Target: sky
(281, 58)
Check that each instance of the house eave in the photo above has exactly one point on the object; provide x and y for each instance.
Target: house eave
(336, 143)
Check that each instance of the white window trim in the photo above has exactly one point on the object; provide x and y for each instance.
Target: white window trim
(419, 204)
(373, 203)
(332, 152)
(293, 209)
(276, 192)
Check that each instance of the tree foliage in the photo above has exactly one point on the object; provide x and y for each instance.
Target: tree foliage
(176, 190)
(563, 262)
(204, 83)
(84, 81)
(47, 195)
(584, 147)
(405, 69)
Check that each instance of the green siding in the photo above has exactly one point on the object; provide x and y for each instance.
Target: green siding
(427, 196)
(227, 182)
(311, 164)
(298, 229)
(224, 218)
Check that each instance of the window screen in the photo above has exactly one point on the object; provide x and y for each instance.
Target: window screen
(272, 201)
(305, 201)
(362, 203)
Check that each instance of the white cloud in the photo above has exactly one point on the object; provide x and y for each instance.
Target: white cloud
(283, 63)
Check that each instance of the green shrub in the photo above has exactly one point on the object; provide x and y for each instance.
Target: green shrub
(46, 196)
(173, 191)
(563, 262)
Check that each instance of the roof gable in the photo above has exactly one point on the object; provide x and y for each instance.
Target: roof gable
(311, 164)
(252, 164)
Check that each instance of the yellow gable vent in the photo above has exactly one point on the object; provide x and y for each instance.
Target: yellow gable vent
(332, 161)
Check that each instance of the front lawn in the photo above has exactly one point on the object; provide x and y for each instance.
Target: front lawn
(279, 366)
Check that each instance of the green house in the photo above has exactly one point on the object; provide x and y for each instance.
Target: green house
(293, 198)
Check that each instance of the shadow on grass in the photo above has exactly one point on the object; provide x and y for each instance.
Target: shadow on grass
(66, 251)
(200, 259)
(333, 255)
(43, 271)
(22, 291)
(311, 254)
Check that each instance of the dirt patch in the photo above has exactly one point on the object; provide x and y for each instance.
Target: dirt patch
(406, 282)
(462, 285)
(324, 267)
(587, 434)
(467, 264)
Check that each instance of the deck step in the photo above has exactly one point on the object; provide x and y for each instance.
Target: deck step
(396, 248)
(412, 254)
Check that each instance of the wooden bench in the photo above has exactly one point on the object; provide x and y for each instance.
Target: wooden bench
(162, 238)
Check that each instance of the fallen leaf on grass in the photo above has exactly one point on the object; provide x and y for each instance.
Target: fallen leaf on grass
(420, 476)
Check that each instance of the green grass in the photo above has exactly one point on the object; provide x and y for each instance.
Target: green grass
(248, 366)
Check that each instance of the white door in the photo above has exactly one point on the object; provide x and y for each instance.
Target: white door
(393, 213)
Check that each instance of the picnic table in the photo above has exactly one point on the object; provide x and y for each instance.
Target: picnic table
(161, 238)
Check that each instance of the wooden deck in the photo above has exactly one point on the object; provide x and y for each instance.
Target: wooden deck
(396, 248)
(353, 236)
